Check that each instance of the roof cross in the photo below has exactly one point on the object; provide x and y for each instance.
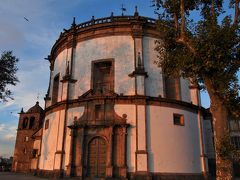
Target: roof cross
(123, 9)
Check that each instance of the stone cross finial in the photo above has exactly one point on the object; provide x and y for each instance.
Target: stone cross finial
(93, 20)
(112, 16)
(136, 11)
(73, 23)
(123, 9)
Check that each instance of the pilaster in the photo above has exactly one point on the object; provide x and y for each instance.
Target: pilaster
(70, 166)
(79, 153)
(109, 168)
(140, 74)
(194, 93)
(141, 151)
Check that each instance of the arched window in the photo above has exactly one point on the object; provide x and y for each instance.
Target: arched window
(32, 121)
(172, 88)
(25, 123)
(55, 89)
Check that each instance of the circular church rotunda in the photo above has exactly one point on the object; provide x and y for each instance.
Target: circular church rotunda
(110, 112)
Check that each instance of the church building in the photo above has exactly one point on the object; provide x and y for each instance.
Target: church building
(110, 112)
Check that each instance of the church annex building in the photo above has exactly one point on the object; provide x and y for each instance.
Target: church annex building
(111, 113)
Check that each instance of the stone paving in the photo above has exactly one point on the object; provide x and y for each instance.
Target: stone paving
(21, 176)
(18, 176)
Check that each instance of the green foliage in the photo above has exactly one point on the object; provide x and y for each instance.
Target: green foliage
(8, 76)
(169, 7)
(208, 48)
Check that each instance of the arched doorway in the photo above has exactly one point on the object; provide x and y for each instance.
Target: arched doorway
(96, 160)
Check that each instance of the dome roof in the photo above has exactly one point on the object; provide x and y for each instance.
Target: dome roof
(35, 109)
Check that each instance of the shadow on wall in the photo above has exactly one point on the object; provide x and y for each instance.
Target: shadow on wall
(154, 79)
(129, 147)
(105, 48)
(125, 68)
(149, 141)
(74, 114)
(46, 138)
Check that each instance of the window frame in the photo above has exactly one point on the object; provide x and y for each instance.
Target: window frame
(55, 88)
(46, 124)
(34, 153)
(235, 141)
(181, 119)
(26, 139)
(111, 74)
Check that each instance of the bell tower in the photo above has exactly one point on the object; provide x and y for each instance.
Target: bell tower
(29, 123)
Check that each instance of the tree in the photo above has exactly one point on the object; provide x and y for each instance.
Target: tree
(8, 69)
(207, 52)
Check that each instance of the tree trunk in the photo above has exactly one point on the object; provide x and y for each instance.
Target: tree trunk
(224, 166)
(224, 169)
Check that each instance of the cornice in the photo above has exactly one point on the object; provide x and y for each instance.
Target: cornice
(139, 100)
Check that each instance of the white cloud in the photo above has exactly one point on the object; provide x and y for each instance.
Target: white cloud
(7, 129)
(10, 137)
(33, 78)
(7, 139)
(2, 127)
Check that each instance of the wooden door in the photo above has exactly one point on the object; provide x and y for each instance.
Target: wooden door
(97, 158)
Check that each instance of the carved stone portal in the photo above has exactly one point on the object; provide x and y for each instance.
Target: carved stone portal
(98, 142)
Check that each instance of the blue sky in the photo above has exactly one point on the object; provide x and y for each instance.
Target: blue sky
(31, 42)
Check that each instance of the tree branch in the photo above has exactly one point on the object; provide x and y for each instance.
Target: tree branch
(236, 12)
(213, 12)
(182, 10)
(187, 43)
(175, 21)
(175, 17)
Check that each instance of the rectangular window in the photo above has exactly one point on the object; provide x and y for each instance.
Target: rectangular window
(26, 139)
(47, 124)
(34, 153)
(172, 88)
(102, 77)
(98, 112)
(178, 119)
(55, 89)
(235, 140)
(234, 125)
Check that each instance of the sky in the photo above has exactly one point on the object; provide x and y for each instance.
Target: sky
(31, 42)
